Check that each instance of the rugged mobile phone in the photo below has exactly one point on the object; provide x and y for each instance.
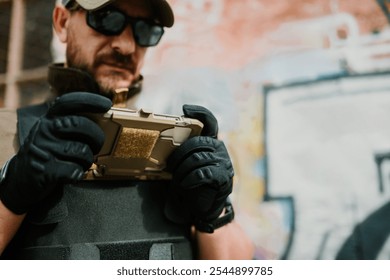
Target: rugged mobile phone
(138, 142)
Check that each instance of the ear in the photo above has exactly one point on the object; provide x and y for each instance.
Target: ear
(60, 22)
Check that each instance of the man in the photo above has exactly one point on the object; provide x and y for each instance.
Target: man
(47, 210)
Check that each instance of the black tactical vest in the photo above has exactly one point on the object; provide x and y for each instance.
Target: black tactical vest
(98, 219)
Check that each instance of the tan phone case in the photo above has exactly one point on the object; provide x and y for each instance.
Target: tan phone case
(139, 142)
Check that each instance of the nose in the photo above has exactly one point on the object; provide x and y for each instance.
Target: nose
(124, 43)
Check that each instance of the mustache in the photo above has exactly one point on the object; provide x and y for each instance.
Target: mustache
(117, 59)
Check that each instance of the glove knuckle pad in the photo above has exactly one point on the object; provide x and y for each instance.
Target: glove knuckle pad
(80, 129)
(74, 148)
(204, 173)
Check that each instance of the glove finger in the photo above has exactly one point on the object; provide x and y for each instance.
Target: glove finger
(195, 162)
(80, 129)
(212, 176)
(53, 173)
(205, 116)
(63, 172)
(72, 151)
(206, 193)
(202, 201)
(79, 103)
(218, 204)
(189, 147)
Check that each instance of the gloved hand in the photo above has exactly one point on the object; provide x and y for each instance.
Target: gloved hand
(58, 150)
(202, 173)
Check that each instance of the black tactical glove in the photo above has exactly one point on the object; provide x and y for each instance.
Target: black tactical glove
(202, 174)
(58, 150)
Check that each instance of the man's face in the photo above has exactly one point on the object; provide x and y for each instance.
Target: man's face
(114, 61)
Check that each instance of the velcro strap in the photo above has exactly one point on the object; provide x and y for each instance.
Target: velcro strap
(138, 250)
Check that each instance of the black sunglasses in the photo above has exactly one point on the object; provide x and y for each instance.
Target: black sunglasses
(111, 21)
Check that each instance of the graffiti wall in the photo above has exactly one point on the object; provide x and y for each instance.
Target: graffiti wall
(228, 55)
(327, 146)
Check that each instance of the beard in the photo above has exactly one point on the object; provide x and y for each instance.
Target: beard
(108, 80)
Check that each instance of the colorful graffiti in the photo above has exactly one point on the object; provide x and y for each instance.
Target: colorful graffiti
(226, 54)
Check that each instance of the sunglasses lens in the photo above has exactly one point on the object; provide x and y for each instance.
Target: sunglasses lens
(107, 22)
(146, 34)
(113, 22)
